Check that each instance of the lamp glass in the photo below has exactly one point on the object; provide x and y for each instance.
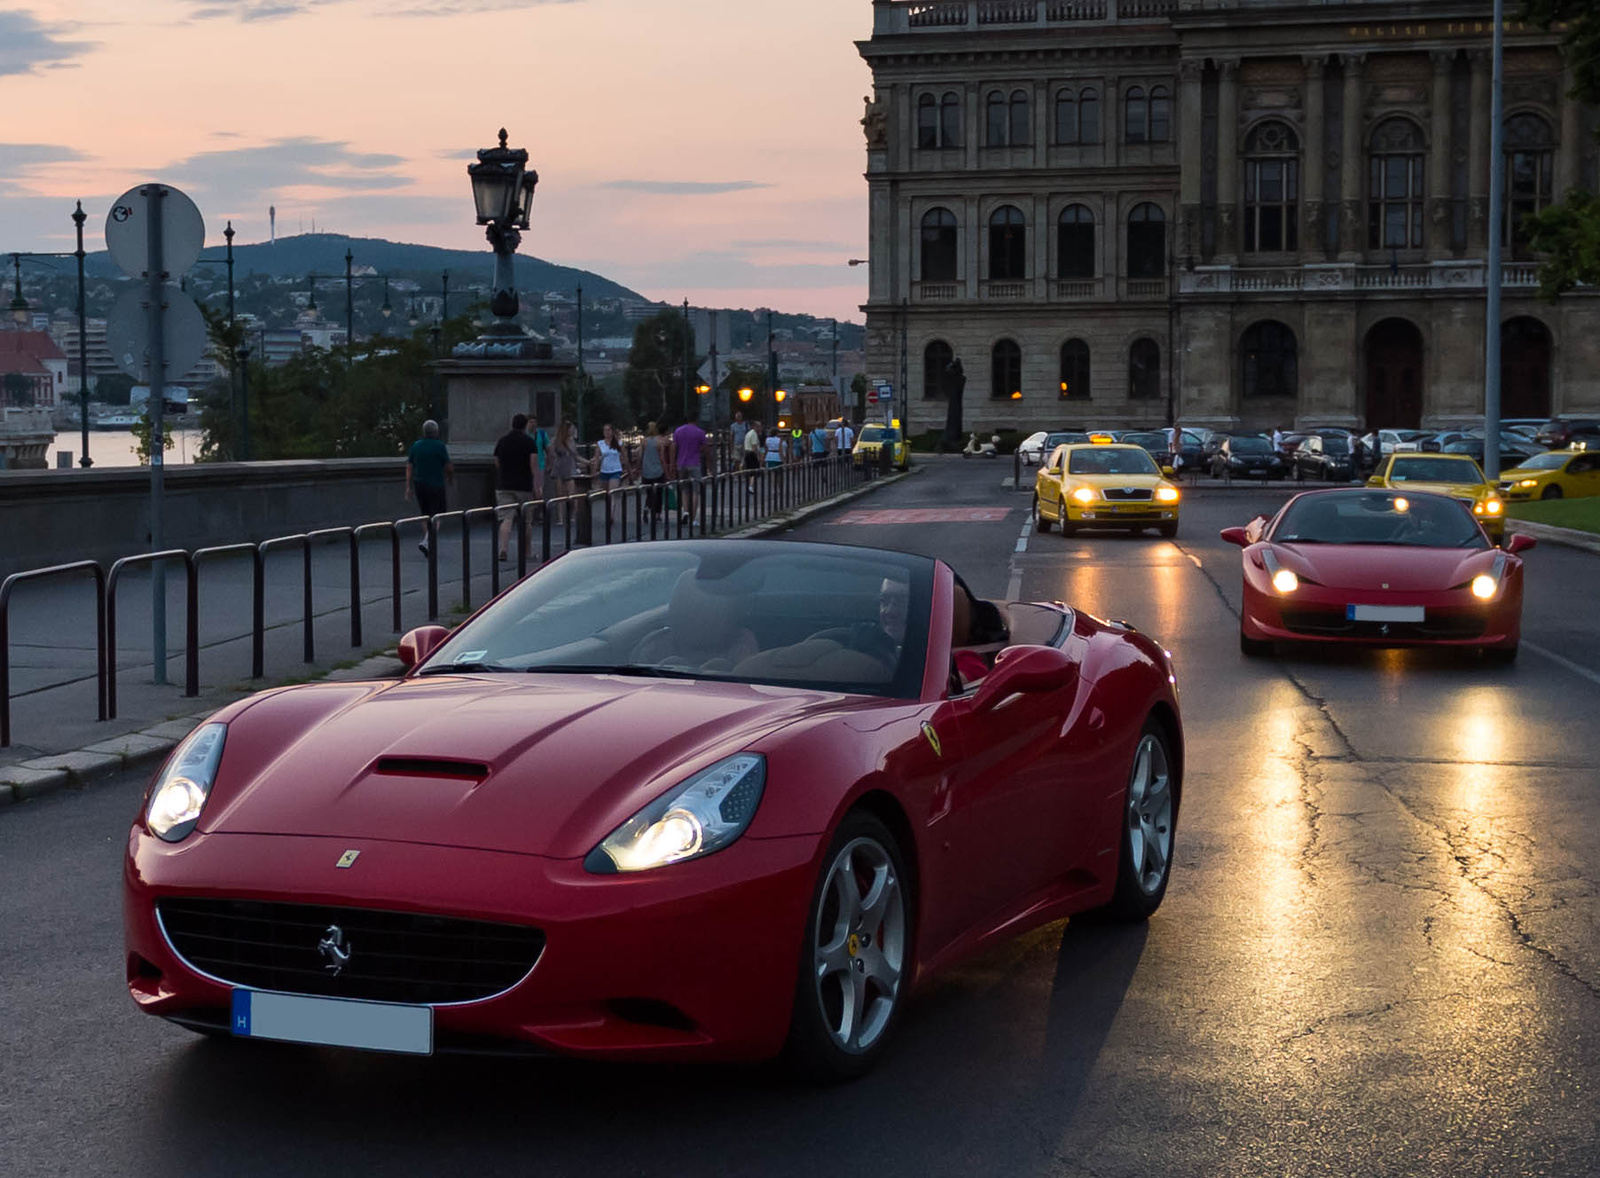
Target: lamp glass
(494, 190)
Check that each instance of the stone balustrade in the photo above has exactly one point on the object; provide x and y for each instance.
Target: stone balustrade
(923, 16)
(1452, 277)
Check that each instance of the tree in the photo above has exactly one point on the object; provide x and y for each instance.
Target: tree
(654, 381)
(597, 409)
(1568, 233)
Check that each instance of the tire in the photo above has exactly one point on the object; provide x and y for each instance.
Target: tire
(1552, 492)
(1150, 818)
(1039, 520)
(1500, 656)
(1254, 648)
(838, 949)
(1299, 474)
(1068, 530)
(1168, 531)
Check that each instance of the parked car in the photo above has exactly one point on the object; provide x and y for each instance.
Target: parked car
(1210, 442)
(1244, 456)
(1290, 443)
(1330, 458)
(1153, 441)
(1032, 448)
(1560, 433)
(1511, 454)
(1186, 446)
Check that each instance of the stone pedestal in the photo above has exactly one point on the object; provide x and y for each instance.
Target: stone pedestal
(480, 395)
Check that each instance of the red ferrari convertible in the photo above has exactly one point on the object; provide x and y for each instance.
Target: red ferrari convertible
(1380, 568)
(710, 800)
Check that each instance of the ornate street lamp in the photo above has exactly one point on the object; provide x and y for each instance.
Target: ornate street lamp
(502, 190)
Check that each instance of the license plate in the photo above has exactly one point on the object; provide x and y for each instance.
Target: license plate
(333, 1022)
(1385, 613)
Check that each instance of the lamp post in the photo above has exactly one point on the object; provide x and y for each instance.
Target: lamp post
(233, 373)
(19, 313)
(349, 301)
(502, 190)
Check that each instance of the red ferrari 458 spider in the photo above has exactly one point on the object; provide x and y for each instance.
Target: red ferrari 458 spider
(1380, 568)
(700, 800)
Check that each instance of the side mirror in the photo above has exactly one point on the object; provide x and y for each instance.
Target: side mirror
(1520, 543)
(1236, 536)
(1167, 471)
(1025, 670)
(416, 646)
(1375, 481)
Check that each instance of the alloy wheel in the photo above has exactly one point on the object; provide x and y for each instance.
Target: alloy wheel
(1150, 815)
(859, 956)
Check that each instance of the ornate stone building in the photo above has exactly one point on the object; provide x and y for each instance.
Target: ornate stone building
(1223, 211)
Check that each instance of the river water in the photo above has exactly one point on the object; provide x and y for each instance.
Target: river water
(112, 448)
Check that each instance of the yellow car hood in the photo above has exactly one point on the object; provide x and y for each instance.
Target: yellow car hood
(1454, 490)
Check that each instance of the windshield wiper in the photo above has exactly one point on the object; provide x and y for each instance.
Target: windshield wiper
(471, 669)
(636, 670)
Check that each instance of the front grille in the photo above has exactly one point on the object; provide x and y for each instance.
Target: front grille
(1129, 494)
(393, 956)
(1327, 624)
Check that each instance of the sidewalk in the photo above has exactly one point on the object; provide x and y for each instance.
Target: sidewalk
(60, 744)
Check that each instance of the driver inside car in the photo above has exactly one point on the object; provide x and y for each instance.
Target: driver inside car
(882, 639)
(703, 631)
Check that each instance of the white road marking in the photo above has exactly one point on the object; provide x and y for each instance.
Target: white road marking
(1014, 588)
(1575, 668)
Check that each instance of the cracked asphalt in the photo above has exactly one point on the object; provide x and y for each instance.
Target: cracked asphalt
(1380, 953)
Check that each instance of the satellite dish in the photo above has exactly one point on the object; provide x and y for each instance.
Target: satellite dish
(128, 333)
(183, 231)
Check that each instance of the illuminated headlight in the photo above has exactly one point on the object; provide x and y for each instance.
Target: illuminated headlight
(1284, 581)
(1528, 483)
(1166, 494)
(1484, 586)
(705, 814)
(1488, 507)
(1084, 495)
(185, 784)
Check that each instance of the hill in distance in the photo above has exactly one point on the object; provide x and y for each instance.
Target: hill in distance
(323, 254)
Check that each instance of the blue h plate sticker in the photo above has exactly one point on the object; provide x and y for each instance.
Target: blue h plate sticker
(241, 1012)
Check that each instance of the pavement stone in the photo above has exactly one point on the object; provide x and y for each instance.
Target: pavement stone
(6, 796)
(1550, 534)
(172, 730)
(79, 766)
(132, 747)
(378, 667)
(19, 783)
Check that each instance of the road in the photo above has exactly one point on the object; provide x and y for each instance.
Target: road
(1380, 953)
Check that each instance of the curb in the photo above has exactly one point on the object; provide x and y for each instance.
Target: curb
(137, 750)
(800, 515)
(1550, 534)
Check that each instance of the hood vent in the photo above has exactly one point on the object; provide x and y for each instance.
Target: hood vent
(432, 767)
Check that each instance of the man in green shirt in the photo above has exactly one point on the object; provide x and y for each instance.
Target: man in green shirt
(428, 470)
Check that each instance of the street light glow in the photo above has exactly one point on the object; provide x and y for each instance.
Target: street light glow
(746, 394)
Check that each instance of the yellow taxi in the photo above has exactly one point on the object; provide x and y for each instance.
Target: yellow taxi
(872, 440)
(1559, 474)
(1104, 486)
(1455, 475)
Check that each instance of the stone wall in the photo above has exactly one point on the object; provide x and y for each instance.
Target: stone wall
(52, 517)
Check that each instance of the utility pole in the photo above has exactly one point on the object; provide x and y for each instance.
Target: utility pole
(78, 218)
(688, 362)
(772, 374)
(905, 394)
(349, 302)
(155, 276)
(444, 305)
(583, 381)
(233, 369)
(1497, 228)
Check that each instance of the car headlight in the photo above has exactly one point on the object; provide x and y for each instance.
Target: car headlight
(1528, 483)
(185, 784)
(1285, 582)
(1484, 586)
(1084, 495)
(1166, 494)
(1488, 507)
(704, 814)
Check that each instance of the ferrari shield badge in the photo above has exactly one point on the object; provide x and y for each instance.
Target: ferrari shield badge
(933, 739)
(348, 859)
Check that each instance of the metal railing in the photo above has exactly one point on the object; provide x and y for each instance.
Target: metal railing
(675, 509)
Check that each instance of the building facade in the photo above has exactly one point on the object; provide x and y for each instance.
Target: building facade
(1221, 212)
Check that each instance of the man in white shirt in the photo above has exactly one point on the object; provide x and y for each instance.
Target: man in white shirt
(846, 438)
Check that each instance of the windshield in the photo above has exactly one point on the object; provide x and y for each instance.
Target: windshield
(1068, 439)
(1551, 461)
(1339, 445)
(1106, 460)
(1379, 517)
(1146, 440)
(853, 620)
(1250, 446)
(878, 433)
(1460, 471)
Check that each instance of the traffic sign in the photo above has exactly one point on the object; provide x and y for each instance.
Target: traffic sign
(183, 231)
(183, 333)
(883, 391)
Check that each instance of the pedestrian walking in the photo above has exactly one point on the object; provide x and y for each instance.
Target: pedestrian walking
(688, 460)
(1277, 440)
(821, 439)
(563, 459)
(428, 473)
(738, 431)
(845, 438)
(653, 468)
(607, 460)
(776, 451)
(751, 447)
(516, 459)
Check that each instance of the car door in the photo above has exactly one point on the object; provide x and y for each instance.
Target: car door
(1583, 475)
(1049, 482)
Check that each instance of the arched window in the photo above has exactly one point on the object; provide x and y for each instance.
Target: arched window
(1160, 115)
(1008, 245)
(1088, 115)
(1005, 372)
(940, 242)
(1394, 186)
(1147, 242)
(1021, 123)
(998, 120)
(1269, 357)
(1144, 370)
(927, 122)
(950, 120)
(1066, 118)
(936, 358)
(1075, 371)
(1271, 189)
(1530, 173)
(1075, 243)
(1135, 124)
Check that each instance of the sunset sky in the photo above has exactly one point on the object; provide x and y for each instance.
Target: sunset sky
(707, 149)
